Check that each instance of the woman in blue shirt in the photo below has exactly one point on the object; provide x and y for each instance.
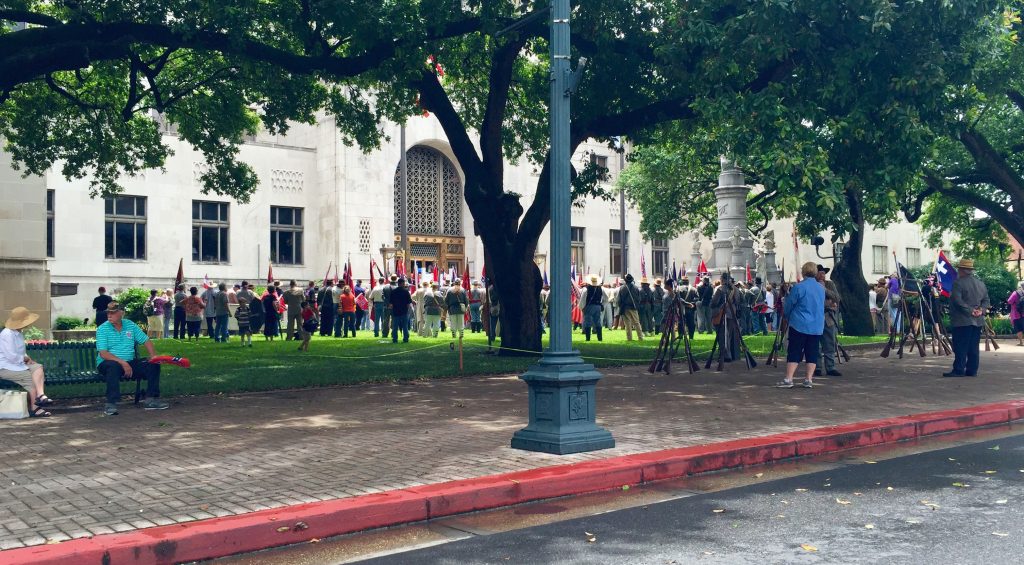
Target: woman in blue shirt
(805, 309)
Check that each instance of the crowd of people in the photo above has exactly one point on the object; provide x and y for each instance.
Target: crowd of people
(810, 310)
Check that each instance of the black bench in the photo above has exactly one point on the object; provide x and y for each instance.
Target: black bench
(73, 362)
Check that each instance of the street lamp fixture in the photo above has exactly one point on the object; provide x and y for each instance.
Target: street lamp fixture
(562, 387)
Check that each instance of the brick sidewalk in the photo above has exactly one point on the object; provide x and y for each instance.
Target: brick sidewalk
(80, 474)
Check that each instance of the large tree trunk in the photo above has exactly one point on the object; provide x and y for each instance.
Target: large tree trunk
(849, 276)
(516, 281)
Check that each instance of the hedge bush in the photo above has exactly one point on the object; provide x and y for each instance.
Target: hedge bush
(133, 299)
(67, 323)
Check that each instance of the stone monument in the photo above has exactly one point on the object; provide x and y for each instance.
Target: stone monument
(773, 274)
(737, 258)
(695, 255)
(731, 195)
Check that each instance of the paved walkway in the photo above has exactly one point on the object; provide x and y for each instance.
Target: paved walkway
(80, 474)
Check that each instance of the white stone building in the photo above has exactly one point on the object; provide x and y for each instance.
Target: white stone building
(319, 202)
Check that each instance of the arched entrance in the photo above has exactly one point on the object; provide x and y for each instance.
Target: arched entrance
(435, 210)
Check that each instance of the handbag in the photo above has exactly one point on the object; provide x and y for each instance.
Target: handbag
(13, 405)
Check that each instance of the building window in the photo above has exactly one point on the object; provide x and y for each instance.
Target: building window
(125, 229)
(364, 236)
(599, 160)
(913, 257)
(209, 231)
(879, 259)
(286, 235)
(577, 249)
(615, 265)
(434, 194)
(659, 257)
(49, 223)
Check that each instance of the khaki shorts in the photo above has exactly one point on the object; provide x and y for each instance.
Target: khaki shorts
(22, 378)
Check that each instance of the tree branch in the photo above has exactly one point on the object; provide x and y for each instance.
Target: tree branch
(502, 65)
(992, 164)
(34, 52)
(29, 18)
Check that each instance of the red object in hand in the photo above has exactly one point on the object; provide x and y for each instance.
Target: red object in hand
(167, 359)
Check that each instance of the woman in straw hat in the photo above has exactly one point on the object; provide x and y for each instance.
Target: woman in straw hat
(17, 366)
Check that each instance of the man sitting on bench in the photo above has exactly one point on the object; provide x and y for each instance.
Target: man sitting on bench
(115, 358)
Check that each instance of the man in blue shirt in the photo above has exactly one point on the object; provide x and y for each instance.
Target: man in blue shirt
(115, 358)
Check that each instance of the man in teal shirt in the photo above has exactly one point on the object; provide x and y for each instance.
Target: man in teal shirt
(115, 359)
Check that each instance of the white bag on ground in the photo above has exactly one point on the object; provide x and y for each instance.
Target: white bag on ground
(13, 404)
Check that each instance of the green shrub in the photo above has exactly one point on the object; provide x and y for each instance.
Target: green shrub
(32, 333)
(133, 299)
(1002, 326)
(66, 323)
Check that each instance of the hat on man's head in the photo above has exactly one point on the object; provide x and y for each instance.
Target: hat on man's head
(823, 269)
(20, 318)
(657, 281)
(594, 280)
(394, 278)
(643, 280)
(966, 264)
(629, 278)
(115, 307)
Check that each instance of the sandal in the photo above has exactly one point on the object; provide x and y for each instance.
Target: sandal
(39, 413)
(43, 400)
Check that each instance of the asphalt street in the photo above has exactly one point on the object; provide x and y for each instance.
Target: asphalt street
(961, 505)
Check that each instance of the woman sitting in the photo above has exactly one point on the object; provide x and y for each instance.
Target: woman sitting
(17, 366)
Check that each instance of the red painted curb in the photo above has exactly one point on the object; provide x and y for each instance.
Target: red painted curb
(218, 537)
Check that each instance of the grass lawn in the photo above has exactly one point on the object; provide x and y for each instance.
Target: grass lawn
(227, 368)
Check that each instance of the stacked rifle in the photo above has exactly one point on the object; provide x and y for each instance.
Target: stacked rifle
(673, 335)
(914, 328)
(728, 322)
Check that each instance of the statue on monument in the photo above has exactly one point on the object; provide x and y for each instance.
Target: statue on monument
(769, 242)
(760, 264)
(696, 242)
(736, 238)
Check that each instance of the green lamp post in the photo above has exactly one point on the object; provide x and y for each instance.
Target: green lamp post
(561, 386)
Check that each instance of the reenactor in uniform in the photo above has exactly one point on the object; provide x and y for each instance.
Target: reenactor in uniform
(658, 310)
(704, 291)
(476, 299)
(830, 334)
(646, 308)
(688, 295)
(723, 316)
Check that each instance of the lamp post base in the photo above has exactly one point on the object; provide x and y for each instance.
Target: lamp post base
(562, 407)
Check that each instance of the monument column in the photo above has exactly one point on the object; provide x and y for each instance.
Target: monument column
(732, 216)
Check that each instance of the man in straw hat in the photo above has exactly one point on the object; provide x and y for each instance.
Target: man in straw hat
(17, 366)
(594, 300)
(115, 358)
(968, 302)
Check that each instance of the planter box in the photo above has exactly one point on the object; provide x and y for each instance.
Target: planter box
(74, 335)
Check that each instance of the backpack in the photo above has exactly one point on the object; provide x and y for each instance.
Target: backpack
(149, 309)
(1019, 306)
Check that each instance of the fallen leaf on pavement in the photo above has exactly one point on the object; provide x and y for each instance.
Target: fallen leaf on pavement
(625, 487)
(314, 540)
(869, 526)
(718, 510)
(1003, 501)
(858, 494)
(808, 547)
(801, 490)
(871, 462)
(951, 459)
(283, 529)
(889, 488)
(591, 538)
(913, 521)
(759, 475)
(780, 515)
(1000, 534)
(994, 448)
(961, 485)
(841, 501)
(991, 472)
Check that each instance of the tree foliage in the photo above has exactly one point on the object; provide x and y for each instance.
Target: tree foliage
(977, 160)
